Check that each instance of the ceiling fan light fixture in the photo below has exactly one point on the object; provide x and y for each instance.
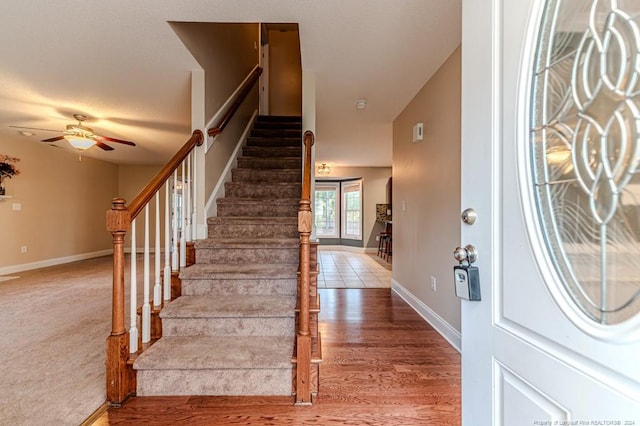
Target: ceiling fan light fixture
(80, 142)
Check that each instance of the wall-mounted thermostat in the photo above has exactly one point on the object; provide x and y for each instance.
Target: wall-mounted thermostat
(418, 132)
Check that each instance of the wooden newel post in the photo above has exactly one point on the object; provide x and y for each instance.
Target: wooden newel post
(303, 338)
(120, 375)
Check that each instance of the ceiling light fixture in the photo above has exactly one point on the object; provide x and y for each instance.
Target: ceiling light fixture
(361, 104)
(25, 133)
(323, 169)
(80, 142)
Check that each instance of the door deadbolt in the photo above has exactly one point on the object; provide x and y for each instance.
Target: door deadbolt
(469, 216)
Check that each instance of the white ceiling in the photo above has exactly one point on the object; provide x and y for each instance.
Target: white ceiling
(120, 63)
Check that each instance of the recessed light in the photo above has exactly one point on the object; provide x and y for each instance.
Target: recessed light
(361, 104)
(25, 133)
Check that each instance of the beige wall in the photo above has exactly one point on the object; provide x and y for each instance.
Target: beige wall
(226, 51)
(222, 149)
(426, 179)
(63, 203)
(131, 180)
(285, 73)
(374, 184)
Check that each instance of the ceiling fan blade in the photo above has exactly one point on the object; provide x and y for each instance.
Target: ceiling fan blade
(57, 138)
(117, 140)
(104, 146)
(35, 128)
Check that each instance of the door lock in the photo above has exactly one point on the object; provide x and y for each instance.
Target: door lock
(467, 254)
(466, 278)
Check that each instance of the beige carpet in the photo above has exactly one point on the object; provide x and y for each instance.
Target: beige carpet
(55, 323)
(52, 346)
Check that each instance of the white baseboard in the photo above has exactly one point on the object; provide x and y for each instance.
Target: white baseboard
(52, 262)
(450, 334)
(202, 231)
(347, 248)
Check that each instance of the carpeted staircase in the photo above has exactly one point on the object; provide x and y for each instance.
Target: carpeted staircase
(232, 331)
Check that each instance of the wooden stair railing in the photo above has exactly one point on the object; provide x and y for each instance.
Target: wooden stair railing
(242, 95)
(121, 380)
(122, 345)
(303, 335)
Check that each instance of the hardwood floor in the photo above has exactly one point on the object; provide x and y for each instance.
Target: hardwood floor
(383, 365)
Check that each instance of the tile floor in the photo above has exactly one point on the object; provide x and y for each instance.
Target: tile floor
(343, 269)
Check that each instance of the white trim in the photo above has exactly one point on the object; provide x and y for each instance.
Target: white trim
(224, 107)
(202, 231)
(325, 247)
(211, 208)
(445, 329)
(53, 262)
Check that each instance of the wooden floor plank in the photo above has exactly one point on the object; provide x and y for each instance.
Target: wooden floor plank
(383, 365)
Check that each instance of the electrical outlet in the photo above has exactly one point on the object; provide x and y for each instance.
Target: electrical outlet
(434, 284)
(23, 249)
(377, 237)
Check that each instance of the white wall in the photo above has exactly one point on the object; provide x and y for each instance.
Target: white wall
(426, 181)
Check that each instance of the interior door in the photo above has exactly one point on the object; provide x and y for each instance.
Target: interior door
(550, 112)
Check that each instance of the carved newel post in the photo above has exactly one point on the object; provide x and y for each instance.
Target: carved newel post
(303, 338)
(120, 375)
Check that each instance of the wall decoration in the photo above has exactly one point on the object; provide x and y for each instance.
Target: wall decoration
(8, 169)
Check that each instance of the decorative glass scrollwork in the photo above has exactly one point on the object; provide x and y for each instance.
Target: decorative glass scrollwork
(585, 152)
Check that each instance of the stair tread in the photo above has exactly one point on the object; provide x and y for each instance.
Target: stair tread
(217, 352)
(271, 201)
(252, 170)
(246, 271)
(275, 157)
(247, 306)
(248, 242)
(278, 220)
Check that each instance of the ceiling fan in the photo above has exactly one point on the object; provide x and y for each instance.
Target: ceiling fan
(81, 137)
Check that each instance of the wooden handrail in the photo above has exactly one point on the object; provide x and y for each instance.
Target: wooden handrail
(159, 179)
(244, 92)
(303, 335)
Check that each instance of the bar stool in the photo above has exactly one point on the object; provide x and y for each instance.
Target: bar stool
(388, 252)
(382, 243)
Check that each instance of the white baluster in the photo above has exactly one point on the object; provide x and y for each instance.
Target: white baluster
(183, 236)
(194, 217)
(187, 183)
(146, 307)
(157, 288)
(133, 328)
(174, 209)
(167, 242)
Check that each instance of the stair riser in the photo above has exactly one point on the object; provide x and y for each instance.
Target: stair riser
(256, 231)
(254, 326)
(258, 209)
(279, 119)
(270, 133)
(255, 176)
(247, 190)
(274, 143)
(214, 382)
(258, 151)
(226, 287)
(236, 256)
(278, 125)
(269, 163)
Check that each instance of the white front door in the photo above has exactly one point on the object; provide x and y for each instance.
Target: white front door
(550, 147)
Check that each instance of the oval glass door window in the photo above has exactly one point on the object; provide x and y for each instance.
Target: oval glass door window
(585, 152)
